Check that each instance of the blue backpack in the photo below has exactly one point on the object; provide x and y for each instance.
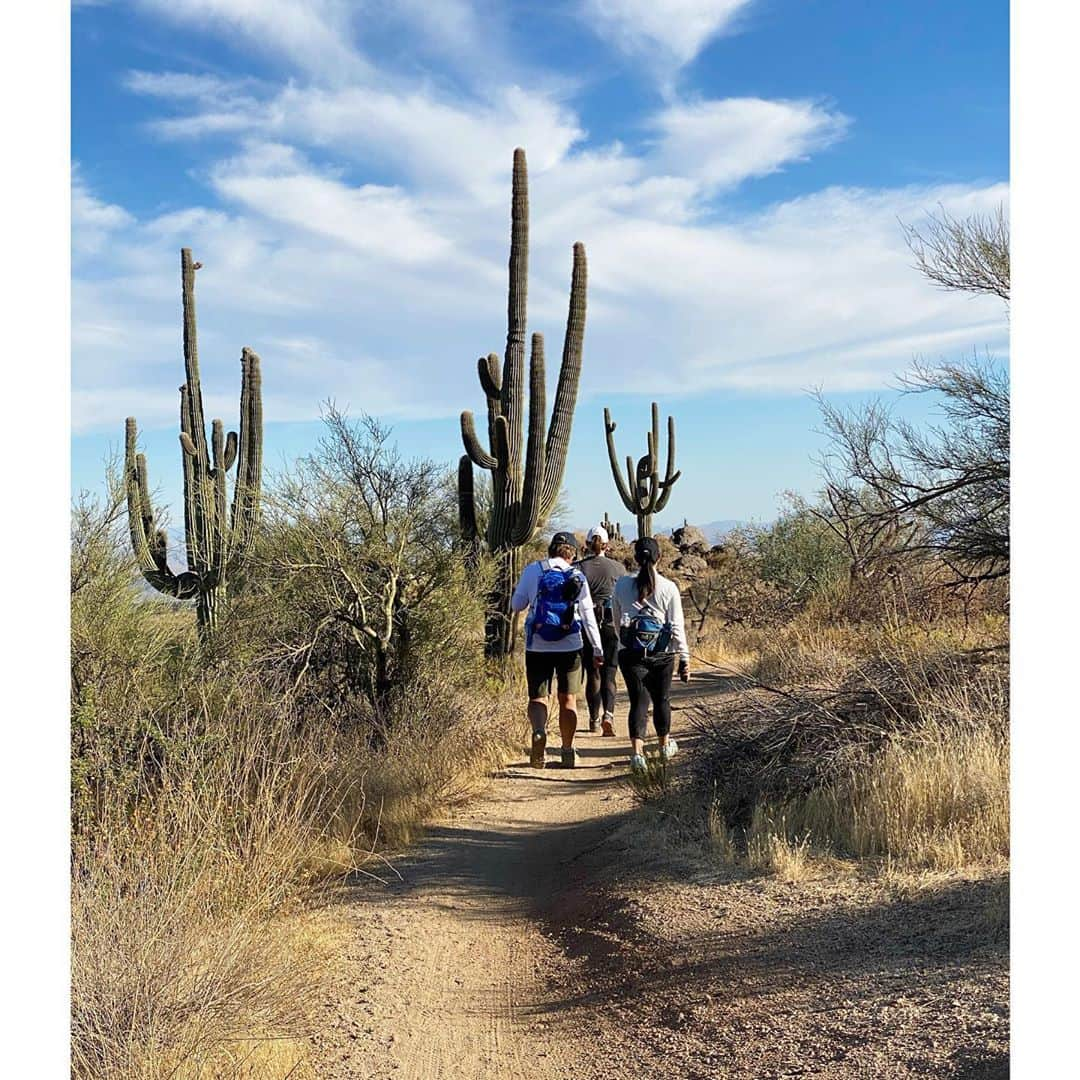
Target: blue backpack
(554, 607)
(646, 635)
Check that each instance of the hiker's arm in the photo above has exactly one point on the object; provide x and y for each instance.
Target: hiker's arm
(678, 629)
(522, 597)
(588, 618)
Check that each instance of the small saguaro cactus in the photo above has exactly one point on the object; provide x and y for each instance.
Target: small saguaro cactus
(642, 491)
(612, 528)
(526, 470)
(217, 538)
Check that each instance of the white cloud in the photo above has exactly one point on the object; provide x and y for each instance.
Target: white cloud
(314, 34)
(678, 29)
(276, 182)
(92, 220)
(725, 142)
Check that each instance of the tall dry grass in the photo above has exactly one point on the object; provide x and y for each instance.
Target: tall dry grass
(886, 741)
(186, 945)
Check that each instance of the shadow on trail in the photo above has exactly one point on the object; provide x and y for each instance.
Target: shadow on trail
(900, 943)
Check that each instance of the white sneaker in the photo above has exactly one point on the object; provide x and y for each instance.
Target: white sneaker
(637, 764)
(669, 750)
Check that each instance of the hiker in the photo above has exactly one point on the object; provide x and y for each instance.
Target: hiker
(601, 573)
(648, 611)
(559, 604)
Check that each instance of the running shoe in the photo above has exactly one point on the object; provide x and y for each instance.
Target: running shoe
(637, 764)
(593, 725)
(607, 725)
(569, 757)
(539, 747)
(669, 750)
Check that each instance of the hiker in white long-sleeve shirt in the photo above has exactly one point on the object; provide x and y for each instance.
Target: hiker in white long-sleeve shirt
(560, 606)
(648, 611)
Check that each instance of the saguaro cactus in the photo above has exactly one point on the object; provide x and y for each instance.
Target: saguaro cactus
(526, 471)
(612, 528)
(642, 491)
(217, 539)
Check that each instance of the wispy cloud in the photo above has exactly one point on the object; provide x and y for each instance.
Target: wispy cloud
(316, 35)
(726, 142)
(672, 31)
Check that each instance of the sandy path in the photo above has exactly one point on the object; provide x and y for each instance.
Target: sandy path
(547, 931)
(451, 969)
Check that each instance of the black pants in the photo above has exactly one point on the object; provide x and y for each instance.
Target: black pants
(600, 683)
(645, 680)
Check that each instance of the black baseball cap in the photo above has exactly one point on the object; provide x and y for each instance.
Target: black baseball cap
(564, 538)
(646, 549)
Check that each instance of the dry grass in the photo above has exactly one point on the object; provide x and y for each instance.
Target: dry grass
(881, 742)
(191, 954)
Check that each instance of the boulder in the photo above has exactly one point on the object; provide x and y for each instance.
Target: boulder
(690, 539)
(690, 565)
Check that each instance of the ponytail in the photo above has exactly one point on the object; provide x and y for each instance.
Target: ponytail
(646, 552)
(645, 580)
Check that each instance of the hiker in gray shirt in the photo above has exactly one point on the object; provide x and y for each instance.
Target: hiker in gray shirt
(601, 574)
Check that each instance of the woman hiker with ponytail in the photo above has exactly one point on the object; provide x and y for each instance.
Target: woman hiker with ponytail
(648, 611)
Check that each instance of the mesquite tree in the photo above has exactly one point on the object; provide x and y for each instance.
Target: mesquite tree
(217, 538)
(526, 472)
(642, 491)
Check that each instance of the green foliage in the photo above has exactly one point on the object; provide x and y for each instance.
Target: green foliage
(361, 584)
(799, 553)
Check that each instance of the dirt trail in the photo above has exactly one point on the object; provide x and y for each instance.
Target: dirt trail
(514, 945)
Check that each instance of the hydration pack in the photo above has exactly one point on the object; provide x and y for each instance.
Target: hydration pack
(554, 607)
(645, 635)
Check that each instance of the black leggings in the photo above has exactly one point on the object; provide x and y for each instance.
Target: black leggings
(600, 683)
(647, 680)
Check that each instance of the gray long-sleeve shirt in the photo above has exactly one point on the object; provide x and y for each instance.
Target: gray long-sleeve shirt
(665, 603)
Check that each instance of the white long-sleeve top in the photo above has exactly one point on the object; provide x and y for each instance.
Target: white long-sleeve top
(525, 595)
(665, 603)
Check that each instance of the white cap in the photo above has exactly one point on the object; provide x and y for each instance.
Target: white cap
(597, 530)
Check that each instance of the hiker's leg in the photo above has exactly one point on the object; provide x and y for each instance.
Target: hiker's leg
(610, 640)
(568, 668)
(538, 714)
(658, 681)
(633, 674)
(539, 669)
(592, 682)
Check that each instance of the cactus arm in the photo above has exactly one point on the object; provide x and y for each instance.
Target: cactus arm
(466, 500)
(490, 376)
(147, 543)
(528, 516)
(516, 319)
(671, 474)
(616, 470)
(245, 505)
(472, 444)
(188, 461)
(230, 451)
(562, 412)
(219, 532)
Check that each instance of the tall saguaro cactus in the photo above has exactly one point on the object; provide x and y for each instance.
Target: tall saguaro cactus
(642, 491)
(526, 465)
(217, 537)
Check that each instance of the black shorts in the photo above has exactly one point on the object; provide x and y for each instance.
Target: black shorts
(542, 667)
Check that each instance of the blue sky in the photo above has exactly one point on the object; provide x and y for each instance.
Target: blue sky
(737, 170)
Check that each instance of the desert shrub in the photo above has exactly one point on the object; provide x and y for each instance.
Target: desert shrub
(358, 586)
(799, 553)
(905, 756)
